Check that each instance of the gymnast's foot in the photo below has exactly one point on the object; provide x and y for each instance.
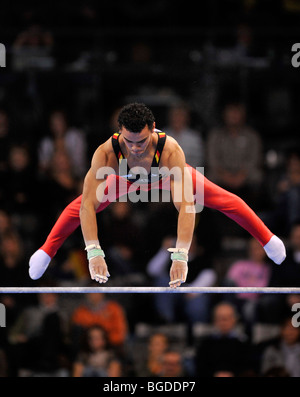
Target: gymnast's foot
(38, 264)
(275, 250)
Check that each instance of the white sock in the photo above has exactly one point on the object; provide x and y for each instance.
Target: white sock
(275, 250)
(38, 264)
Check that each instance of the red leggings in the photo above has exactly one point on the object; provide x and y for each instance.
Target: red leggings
(214, 197)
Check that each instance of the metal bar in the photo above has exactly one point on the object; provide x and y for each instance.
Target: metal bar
(149, 290)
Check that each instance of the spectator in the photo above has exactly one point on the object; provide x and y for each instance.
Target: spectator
(61, 171)
(33, 47)
(162, 213)
(6, 225)
(63, 138)
(190, 140)
(194, 307)
(253, 271)
(122, 237)
(13, 274)
(224, 349)
(172, 365)
(289, 274)
(244, 48)
(141, 53)
(60, 186)
(72, 268)
(34, 37)
(284, 352)
(95, 358)
(5, 143)
(3, 363)
(111, 126)
(57, 188)
(230, 162)
(285, 276)
(38, 339)
(5, 139)
(151, 363)
(98, 310)
(21, 181)
(287, 210)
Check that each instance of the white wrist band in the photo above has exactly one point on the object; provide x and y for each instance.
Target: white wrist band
(92, 246)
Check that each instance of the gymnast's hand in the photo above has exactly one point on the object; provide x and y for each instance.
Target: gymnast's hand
(98, 269)
(178, 273)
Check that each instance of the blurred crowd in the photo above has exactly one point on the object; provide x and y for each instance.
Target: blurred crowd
(221, 89)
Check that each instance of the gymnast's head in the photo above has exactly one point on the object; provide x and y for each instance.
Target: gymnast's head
(135, 117)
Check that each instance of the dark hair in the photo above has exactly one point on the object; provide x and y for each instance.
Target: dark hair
(135, 116)
(85, 345)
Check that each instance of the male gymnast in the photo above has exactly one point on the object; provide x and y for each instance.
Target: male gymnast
(116, 171)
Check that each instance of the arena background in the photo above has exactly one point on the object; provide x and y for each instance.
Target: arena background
(69, 69)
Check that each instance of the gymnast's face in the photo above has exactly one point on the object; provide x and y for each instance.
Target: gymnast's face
(137, 143)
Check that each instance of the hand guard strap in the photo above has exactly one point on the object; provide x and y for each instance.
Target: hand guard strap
(179, 254)
(93, 251)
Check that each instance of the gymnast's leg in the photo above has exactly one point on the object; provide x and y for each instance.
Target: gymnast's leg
(66, 224)
(235, 208)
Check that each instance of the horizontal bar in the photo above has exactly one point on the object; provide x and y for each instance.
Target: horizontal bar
(149, 290)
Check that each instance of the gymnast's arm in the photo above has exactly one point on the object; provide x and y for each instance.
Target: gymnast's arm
(93, 191)
(182, 195)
